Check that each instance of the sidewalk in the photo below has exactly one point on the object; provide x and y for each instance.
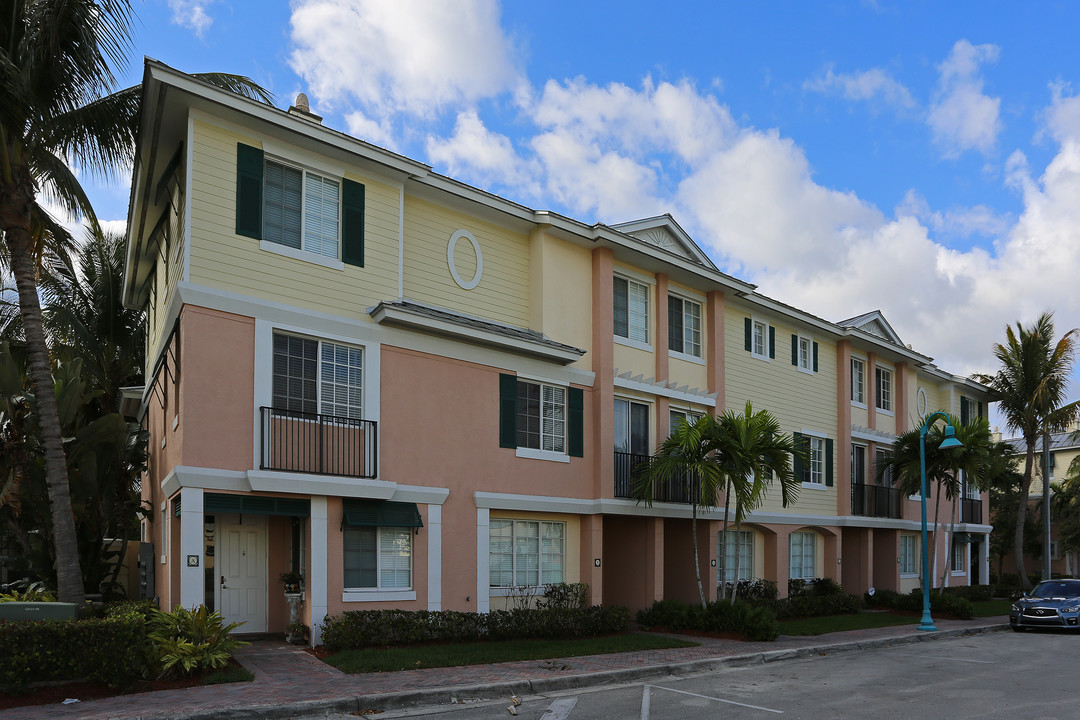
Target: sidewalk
(290, 682)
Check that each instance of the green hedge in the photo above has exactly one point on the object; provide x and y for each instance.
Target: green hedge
(379, 628)
(753, 623)
(974, 593)
(111, 650)
(816, 606)
(945, 603)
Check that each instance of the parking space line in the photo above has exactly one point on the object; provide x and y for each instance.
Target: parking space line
(945, 657)
(645, 703)
(560, 709)
(706, 697)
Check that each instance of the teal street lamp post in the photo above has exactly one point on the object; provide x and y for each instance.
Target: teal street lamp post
(950, 441)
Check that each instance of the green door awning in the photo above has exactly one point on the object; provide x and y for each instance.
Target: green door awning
(249, 505)
(380, 513)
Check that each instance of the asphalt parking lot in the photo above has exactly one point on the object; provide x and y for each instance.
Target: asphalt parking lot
(995, 675)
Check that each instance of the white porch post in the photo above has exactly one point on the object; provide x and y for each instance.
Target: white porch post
(434, 559)
(192, 548)
(985, 556)
(316, 585)
(483, 538)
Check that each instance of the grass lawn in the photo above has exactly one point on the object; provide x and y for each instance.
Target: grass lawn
(990, 608)
(428, 656)
(836, 623)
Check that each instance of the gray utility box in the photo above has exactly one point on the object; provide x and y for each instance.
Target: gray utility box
(15, 611)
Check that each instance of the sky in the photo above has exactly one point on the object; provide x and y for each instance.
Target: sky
(920, 158)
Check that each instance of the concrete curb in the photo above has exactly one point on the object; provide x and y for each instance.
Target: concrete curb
(539, 686)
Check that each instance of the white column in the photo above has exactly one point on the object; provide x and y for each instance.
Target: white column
(985, 558)
(192, 548)
(483, 529)
(434, 557)
(316, 586)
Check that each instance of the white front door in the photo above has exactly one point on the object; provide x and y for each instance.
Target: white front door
(241, 566)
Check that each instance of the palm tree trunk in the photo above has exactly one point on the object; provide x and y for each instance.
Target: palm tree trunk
(1021, 516)
(69, 582)
(697, 564)
(937, 512)
(735, 585)
(723, 542)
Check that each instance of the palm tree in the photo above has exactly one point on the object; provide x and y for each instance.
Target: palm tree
(1065, 511)
(56, 60)
(758, 454)
(738, 453)
(945, 469)
(1030, 386)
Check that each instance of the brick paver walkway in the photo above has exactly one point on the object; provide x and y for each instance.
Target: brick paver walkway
(285, 674)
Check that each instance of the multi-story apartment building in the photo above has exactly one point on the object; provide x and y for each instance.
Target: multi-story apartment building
(425, 396)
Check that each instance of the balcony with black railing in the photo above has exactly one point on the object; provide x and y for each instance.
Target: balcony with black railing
(875, 501)
(679, 489)
(971, 510)
(318, 444)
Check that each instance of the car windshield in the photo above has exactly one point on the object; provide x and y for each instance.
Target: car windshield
(1056, 589)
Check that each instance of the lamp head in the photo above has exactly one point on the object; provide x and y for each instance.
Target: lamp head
(950, 440)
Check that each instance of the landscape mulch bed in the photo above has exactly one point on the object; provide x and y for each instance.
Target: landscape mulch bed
(83, 691)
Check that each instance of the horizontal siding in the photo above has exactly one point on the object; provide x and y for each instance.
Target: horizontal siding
(222, 259)
(503, 292)
(798, 400)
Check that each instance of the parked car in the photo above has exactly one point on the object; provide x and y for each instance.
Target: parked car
(1051, 603)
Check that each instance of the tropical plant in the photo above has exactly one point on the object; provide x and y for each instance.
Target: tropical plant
(945, 469)
(738, 454)
(187, 641)
(1030, 387)
(56, 73)
(1065, 511)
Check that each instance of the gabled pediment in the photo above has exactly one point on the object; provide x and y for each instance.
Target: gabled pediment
(875, 324)
(663, 232)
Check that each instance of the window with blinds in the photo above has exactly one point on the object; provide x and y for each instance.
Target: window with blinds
(745, 541)
(541, 416)
(526, 553)
(312, 376)
(301, 209)
(377, 558)
(801, 554)
(631, 310)
(684, 326)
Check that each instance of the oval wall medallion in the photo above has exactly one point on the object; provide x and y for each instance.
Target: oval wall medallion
(920, 403)
(451, 247)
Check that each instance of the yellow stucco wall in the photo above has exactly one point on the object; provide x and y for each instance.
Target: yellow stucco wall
(560, 284)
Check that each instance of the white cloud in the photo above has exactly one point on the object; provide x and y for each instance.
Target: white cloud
(192, 15)
(373, 131)
(961, 116)
(868, 85)
(404, 56)
(961, 222)
(487, 157)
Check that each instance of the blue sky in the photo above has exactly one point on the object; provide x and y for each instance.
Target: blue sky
(920, 158)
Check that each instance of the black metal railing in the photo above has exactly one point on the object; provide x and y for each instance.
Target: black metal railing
(875, 501)
(318, 444)
(971, 510)
(679, 489)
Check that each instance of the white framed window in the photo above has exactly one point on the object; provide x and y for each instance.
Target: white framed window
(745, 540)
(377, 558)
(816, 470)
(684, 326)
(631, 427)
(802, 551)
(541, 416)
(301, 209)
(883, 388)
(760, 337)
(806, 354)
(526, 553)
(316, 376)
(858, 381)
(858, 464)
(631, 310)
(959, 554)
(881, 460)
(677, 417)
(908, 558)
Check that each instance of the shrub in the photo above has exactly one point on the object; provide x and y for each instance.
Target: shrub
(974, 593)
(379, 628)
(187, 641)
(820, 587)
(112, 650)
(755, 592)
(753, 623)
(940, 602)
(34, 593)
(563, 596)
(816, 605)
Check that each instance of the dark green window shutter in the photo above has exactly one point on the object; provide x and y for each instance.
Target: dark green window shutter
(965, 411)
(815, 357)
(249, 178)
(828, 463)
(772, 342)
(795, 350)
(980, 409)
(796, 462)
(507, 410)
(748, 334)
(1051, 461)
(575, 422)
(352, 223)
